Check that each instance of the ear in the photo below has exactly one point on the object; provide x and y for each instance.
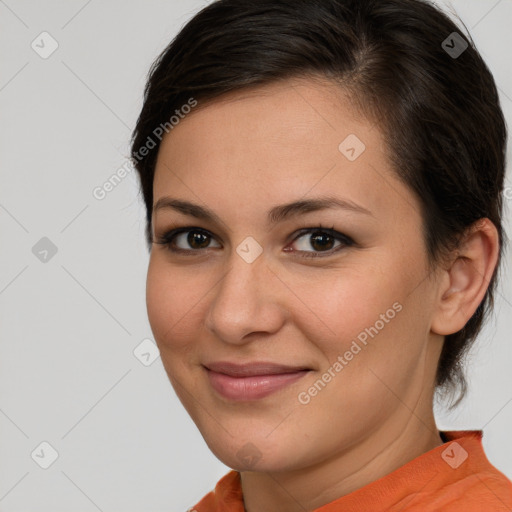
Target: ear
(464, 283)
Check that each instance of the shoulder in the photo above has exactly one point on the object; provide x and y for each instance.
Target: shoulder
(466, 480)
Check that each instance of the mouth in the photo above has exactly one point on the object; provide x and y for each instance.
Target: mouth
(251, 381)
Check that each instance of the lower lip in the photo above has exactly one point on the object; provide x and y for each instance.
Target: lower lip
(251, 388)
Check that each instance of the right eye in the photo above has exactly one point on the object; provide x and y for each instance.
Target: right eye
(196, 238)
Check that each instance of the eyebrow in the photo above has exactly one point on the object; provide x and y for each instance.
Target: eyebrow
(276, 214)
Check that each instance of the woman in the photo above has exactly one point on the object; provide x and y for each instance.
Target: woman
(323, 188)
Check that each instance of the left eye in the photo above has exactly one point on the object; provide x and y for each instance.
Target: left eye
(322, 240)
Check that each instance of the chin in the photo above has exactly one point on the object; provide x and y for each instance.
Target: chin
(256, 455)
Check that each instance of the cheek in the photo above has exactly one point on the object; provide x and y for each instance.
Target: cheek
(369, 318)
(173, 301)
(372, 367)
(346, 302)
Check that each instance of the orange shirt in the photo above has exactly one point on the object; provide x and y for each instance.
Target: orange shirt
(454, 477)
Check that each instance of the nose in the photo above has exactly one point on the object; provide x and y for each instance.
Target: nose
(248, 299)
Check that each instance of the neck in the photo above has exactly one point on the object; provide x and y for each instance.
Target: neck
(376, 455)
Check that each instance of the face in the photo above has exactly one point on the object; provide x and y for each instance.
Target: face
(337, 293)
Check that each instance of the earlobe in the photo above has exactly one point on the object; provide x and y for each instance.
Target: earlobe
(467, 278)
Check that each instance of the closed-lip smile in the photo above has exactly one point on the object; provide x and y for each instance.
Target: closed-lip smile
(251, 381)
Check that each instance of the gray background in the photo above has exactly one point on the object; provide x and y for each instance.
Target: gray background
(70, 325)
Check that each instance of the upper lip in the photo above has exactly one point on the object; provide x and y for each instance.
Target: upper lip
(254, 368)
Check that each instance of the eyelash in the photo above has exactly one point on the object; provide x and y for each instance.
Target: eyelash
(168, 238)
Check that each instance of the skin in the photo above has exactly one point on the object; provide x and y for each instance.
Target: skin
(239, 156)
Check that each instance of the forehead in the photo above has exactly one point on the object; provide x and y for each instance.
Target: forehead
(276, 143)
(300, 110)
